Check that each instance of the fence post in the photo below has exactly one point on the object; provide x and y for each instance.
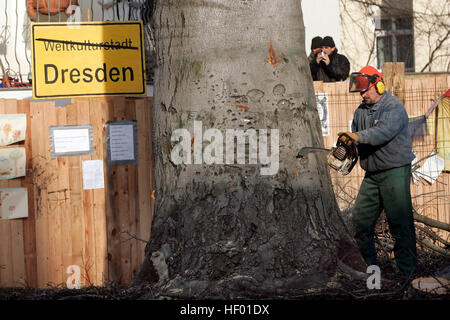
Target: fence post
(394, 79)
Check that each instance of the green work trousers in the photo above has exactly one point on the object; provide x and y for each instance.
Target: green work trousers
(388, 190)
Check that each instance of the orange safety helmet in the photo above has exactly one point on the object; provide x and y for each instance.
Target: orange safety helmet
(365, 79)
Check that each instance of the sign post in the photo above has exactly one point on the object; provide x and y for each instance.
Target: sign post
(88, 59)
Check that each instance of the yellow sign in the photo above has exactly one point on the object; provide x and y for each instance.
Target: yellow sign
(88, 59)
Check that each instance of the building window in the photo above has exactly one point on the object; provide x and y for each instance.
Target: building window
(395, 33)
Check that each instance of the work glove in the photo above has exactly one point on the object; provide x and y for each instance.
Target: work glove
(352, 135)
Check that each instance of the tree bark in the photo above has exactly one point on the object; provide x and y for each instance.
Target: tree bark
(228, 229)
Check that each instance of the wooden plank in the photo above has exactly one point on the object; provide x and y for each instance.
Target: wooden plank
(145, 187)
(6, 258)
(13, 246)
(16, 226)
(422, 146)
(76, 198)
(394, 79)
(133, 198)
(114, 224)
(122, 204)
(330, 90)
(97, 117)
(428, 96)
(63, 202)
(17, 248)
(113, 249)
(42, 178)
(29, 224)
(89, 265)
(38, 165)
(443, 202)
(53, 208)
(112, 213)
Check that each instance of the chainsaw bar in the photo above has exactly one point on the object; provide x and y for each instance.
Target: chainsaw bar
(341, 158)
(305, 150)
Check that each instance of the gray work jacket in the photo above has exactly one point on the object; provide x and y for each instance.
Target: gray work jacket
(384, 136)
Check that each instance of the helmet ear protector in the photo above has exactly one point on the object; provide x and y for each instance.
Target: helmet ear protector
(361, 82)
(380, 87)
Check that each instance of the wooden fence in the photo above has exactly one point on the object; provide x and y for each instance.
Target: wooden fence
(68, 225)
(98, 230)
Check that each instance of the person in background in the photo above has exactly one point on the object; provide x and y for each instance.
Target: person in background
(329, 66)
(316, 47)
(381, 129)
(50, 10)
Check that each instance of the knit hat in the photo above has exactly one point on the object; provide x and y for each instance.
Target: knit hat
(316, 42)
(328, 42)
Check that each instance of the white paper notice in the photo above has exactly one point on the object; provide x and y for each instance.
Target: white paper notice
(71, 140)
(431, 169)
(93, 177)
(14, 203)
(121, 142)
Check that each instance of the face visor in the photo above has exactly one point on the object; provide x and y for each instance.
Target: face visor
(361, 82)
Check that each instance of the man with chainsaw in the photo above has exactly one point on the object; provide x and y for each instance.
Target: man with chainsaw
(380, 129)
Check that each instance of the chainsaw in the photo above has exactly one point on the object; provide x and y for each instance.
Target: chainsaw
(341, 158)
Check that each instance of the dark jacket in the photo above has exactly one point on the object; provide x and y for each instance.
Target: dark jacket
(337, 70)
(311, 57)
(384, 136)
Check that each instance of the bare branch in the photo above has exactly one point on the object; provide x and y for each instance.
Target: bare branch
(439, 45)
(431, 222)
(132, 236)
(433, 235)
(436, 248)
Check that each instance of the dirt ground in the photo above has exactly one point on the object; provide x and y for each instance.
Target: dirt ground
(393, 287)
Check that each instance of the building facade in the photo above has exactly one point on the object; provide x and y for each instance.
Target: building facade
(416, 32)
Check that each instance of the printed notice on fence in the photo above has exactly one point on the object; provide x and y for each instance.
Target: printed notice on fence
(71, 140)
(93, 177)
(121, 140)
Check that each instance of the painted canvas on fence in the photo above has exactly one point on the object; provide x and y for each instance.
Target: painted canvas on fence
(12, 163)
(13, 203)
(13, 128)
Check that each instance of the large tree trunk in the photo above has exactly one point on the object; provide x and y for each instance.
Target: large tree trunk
(227, 229)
